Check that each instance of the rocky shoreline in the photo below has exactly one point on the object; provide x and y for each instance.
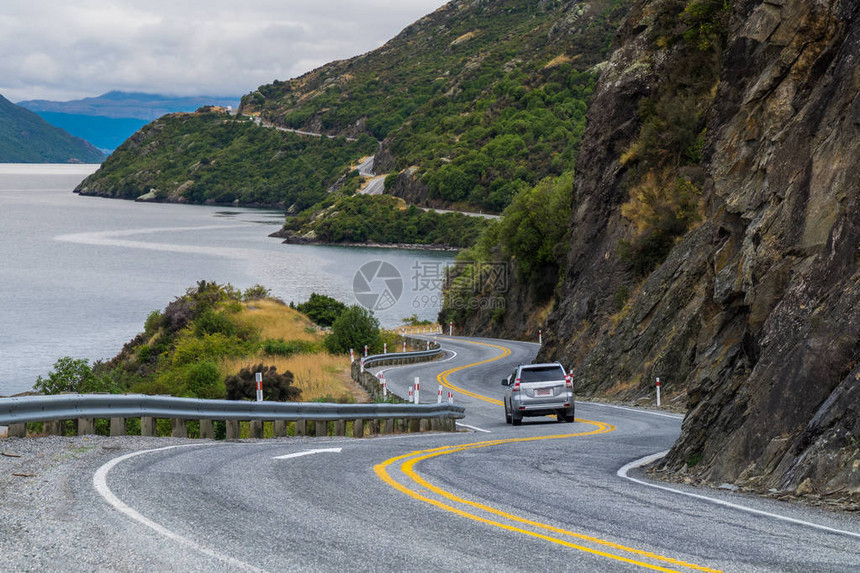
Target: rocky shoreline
(290, 238)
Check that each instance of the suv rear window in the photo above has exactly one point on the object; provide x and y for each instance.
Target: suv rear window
(542, 374)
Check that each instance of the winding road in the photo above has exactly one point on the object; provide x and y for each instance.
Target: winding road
(541, 496)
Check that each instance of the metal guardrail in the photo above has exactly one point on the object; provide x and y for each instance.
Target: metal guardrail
(99, 406)
(393, 356)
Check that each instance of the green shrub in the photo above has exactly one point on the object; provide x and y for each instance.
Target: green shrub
(208, 347)
(355, 327)
(321, 309)
(256, 292)
(281, 347)
(276, 387)
(203, 380)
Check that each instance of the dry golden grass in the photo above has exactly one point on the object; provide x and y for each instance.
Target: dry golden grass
(316, 375)
(558, 61)
(276, 320)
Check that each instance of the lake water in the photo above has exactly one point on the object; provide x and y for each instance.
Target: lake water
(80, 274)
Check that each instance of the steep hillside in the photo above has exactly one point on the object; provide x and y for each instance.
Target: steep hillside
(211, 157)
(714, 239)
(484, 98)
(27, 138)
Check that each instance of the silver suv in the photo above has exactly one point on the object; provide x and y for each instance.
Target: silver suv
(538, 390)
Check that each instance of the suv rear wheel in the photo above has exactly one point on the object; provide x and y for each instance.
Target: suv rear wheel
(562, 416)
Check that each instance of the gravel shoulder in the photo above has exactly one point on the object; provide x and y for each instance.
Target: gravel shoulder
(52, 519)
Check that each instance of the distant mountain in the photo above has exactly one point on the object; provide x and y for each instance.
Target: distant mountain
(126, 105)
(27, 138)
(111, 118)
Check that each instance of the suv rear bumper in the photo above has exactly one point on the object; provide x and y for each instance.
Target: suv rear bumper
(543, 409)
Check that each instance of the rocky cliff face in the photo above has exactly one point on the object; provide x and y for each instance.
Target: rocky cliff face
(753, 318)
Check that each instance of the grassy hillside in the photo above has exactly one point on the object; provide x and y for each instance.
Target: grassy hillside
(201, 342)
(210, 156)
(27, 138)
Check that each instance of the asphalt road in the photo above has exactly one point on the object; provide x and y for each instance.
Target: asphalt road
(541, 496)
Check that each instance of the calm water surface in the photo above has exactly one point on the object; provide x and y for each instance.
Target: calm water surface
(80, 274)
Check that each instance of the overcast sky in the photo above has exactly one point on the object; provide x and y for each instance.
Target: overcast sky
(69, 49)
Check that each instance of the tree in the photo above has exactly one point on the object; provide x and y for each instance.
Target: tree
(69, 375)
(355, 327)
(322, 309)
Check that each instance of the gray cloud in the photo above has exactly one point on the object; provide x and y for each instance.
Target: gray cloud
(55, 49)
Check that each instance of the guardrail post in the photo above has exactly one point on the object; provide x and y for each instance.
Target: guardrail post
(424, 425)
(147, 426)
(340, 427)
(232, 429)
(320, 428)
(257, 429)
(178, 428)
(387, 426)
(17, 431)
(117, 426)
(280, 429)
(301, 428)
(86, 426)
(54, 427)
(372, 426)
(207, 430)
(414, 425)
(358, 429)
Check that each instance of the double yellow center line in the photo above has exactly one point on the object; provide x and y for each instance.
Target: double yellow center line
(504, 520)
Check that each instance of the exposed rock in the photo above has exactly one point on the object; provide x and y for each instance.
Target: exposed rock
(755, 314)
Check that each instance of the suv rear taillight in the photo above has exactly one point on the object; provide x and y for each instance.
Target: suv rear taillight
(516, 387)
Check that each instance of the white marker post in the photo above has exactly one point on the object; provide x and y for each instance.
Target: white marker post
(417, 386)
(384, 385)
(259, 378)
(365, 350)
(385, 348)
(361, 365)
(450, 397)
(540, 336)
(411, 399)
(450, 328)
(439, 397)
(658, 391)
(404, 346)
(351, 355)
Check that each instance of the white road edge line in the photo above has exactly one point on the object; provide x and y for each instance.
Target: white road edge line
(308, 453)
(662, 415)
(622, 472)
(100, 485)
(473, 428)
(452, 357)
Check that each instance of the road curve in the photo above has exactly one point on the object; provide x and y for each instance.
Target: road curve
(544, 495)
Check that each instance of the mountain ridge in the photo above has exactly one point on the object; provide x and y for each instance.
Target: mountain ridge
(27, 138)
